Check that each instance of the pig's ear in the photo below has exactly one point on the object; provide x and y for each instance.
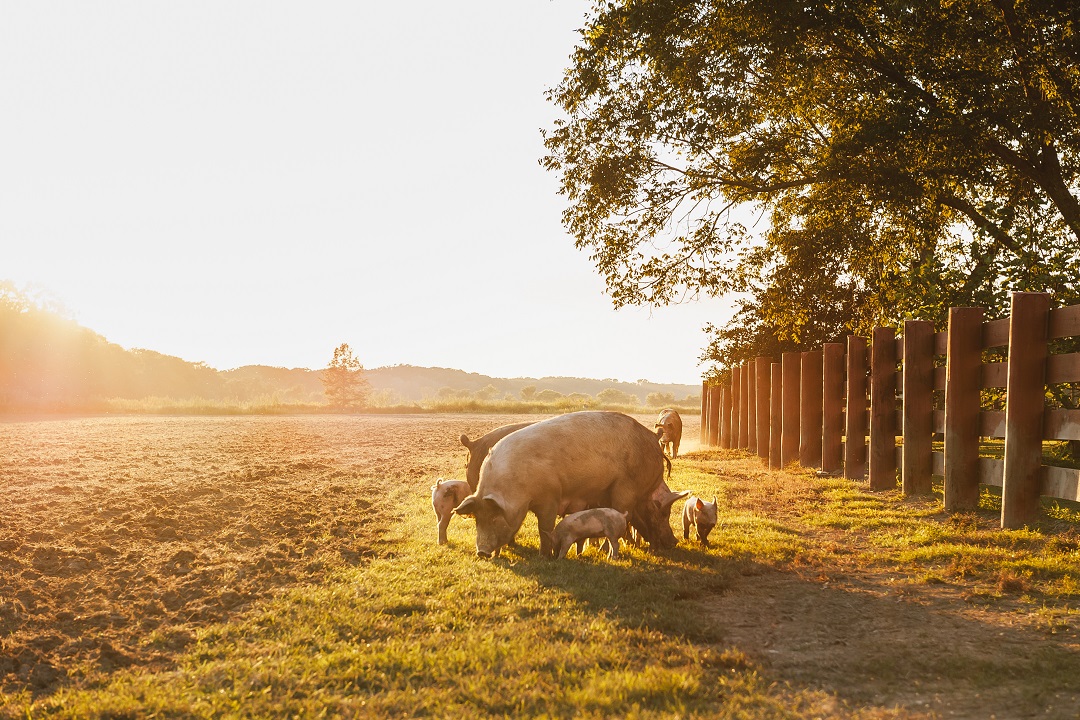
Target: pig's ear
(466, 441)
(492, 506)
(666, 503)
(700, 504)
(714, 500)
(467, 506)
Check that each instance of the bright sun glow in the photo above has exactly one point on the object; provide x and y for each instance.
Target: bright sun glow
(242, 183)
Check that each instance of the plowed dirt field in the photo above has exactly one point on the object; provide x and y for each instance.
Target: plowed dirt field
(120, 537)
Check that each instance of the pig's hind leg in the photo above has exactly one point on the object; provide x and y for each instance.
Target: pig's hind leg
(444, 522)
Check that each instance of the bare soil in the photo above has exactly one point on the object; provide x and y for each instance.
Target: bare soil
(121, 537)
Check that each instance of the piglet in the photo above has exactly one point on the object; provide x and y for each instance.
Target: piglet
(701, 515)
(595, 523)
(445, 496)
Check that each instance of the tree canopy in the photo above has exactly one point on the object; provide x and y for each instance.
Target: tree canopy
(904, 157)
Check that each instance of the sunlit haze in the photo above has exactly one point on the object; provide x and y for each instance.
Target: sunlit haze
(257, 182)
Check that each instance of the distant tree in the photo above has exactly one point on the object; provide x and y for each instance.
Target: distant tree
(659, 399)
(386, 398)
(582, 399)
(343, 381)
(486, 393)
(614, 396)
(548, 395)
(528, 392)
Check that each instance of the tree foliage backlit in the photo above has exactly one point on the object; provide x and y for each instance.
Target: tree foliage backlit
(343, 380)
(906, 156)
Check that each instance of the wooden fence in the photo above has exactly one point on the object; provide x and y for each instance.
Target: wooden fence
(842, 408)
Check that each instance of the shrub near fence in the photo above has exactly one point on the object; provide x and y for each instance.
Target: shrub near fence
(812, 407)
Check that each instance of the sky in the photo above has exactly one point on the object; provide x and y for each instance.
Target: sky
(243, 183)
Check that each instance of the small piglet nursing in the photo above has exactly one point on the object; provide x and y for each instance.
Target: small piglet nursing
(581, 526)
(701, 515)
(445, 496)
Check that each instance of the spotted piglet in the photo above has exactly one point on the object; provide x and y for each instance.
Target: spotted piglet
(445, 496)
(578, 527)
(701, 515)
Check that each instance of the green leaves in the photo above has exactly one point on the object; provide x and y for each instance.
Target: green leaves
(908, 154)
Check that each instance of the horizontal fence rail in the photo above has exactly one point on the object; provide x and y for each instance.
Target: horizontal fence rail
(843, 407)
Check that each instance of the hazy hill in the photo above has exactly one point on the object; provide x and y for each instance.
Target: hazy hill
(410, 384)
(50, 362)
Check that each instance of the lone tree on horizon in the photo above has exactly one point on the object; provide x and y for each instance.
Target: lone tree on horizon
(343, 380)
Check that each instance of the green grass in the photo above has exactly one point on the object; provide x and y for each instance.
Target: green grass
(420, 630)
(423, 630)
(434, 632)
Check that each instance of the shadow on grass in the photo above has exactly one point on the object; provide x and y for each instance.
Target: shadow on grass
(871, 642)
(641, 587)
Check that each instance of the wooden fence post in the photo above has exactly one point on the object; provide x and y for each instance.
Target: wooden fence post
(810, 409)
(855, 418)
(883, 410)
(736, 392)
(918, 409)
(776, 413)
(703, 435)
(744, 407)
(789, 434)
(763, 372)
(1024, 408)
(963, 365)
(732, 409)
(832, 429)
(721, 419)
(751, 405)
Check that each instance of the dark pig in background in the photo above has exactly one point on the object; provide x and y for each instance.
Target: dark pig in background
(478, 450)
(669, 429)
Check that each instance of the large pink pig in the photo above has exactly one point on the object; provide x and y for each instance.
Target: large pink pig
(582, 459)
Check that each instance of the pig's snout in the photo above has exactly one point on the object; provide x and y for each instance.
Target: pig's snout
(485, 555)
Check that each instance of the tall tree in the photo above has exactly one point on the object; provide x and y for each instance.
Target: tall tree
(343, 380)
(908, 155)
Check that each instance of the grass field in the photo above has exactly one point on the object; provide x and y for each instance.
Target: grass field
(287, 566)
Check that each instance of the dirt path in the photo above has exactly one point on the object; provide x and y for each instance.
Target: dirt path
(875, 634)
